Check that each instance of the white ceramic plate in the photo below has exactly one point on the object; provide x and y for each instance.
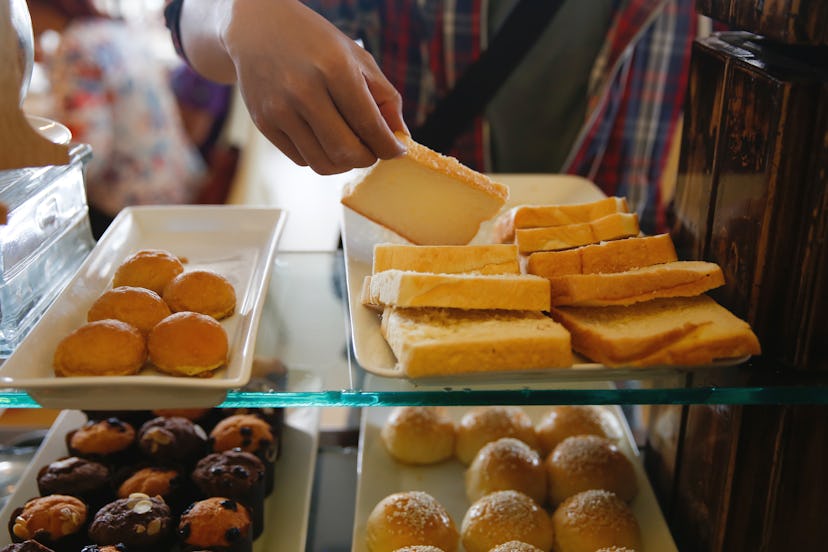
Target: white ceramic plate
(49, 129)
(288, 506)
(236, 242)
(380, 475)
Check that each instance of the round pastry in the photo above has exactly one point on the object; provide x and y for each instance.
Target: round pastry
(188, 344)
(138, 521)
(201, 291)
(505, 516)
(563, 421)
(419, 434)
(74, 476)
(139, 307)
(615, 549)
(110, 441)
(25, 546)
(586, 462)
(101, 348)
(594, 519)
(149, 268)
(481, 425)
(56, 521)
(168, 483)
(410, 518)
(215, 523)
(507, 463)
(515, 546)
(419, 548)
(173, 440)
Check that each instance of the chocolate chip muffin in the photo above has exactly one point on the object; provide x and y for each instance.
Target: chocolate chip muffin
(110, 441)
(237, 475)
(79, 477)
(275, 418)
(218, 524)
(168, 483)
(56, 521)
(249, 433)
(139, 521)
(172, 441)
(25, 546)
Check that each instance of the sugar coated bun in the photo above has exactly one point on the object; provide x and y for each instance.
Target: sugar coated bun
(615, 549)
(592, 520)
(201, 291)
(586, 462)
(149, 268)
(515, 546)
(507, 463)
(141, 307)
(188, 344)
(410, 518)
(419, 434)
(481, 425)
(101, 348)
(563, 421)
(419, 548)
(505, 516)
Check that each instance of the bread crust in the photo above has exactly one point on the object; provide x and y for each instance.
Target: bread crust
(553, 238)
(447, 259)
(535, 216)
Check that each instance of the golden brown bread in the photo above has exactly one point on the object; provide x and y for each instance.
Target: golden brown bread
(553, 238)
(201, 291)
(137, 306)
(148, 268)
(188, 344)
(535, 216)
(592, 520)
(515, 546)
(101, 348)
(504, 516)
(410, 518)
(447, 259)
(484, 424)
(506, 464)
(562, 421)
(419, 434)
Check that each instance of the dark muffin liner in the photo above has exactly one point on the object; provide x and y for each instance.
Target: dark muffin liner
(68, 543)
(26, 546)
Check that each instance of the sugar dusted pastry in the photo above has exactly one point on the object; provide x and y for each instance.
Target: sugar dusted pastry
(503, 516)
(410, 518)
(188, 344)
(481, 425)
(140, 307)
(505, 464)
(201, 291)
(592, 520)
(101, 348)
(419, 434)
(148, 268)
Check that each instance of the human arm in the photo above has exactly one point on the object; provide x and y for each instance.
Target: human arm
(311, 90)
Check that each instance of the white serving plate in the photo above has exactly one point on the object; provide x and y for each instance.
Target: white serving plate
(380, 475)
(288, 506)
(237, 242)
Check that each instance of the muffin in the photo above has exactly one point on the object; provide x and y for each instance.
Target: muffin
(592, 520)
(237, 475)
(188, 344)
(274, 416)
(216, 523)
(78, 477)
(250, 434)
(176, 441)
(149, 268)
(56, 521)
(120, 547)
(139, 521)
(201, 291)
(409, 518)
(110, 441)
(562, 421)
(168, 483)
(139, 307)
(419, 434)
(505, 464)
(101, 348)
(481, 425)
(504, 516)
(25, 546)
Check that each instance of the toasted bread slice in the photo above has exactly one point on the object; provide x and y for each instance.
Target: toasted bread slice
(682, 331)
(608, 256)
(447, 259)
(536, 216)
(425, 197)
(554, 238)
(438, 342)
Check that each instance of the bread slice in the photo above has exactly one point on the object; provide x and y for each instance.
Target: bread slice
(425, 197)
(535, 216)
(683, 331)
(400, 288)
(676, 279)
(553, 238)
(447, 259)
(609, 256)
(439, 342)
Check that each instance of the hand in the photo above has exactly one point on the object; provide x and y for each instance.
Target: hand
(311, 90)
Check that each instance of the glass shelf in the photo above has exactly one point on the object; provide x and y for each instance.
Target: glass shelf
(304, 358)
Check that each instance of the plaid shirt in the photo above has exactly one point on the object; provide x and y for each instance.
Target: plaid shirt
(636, 91)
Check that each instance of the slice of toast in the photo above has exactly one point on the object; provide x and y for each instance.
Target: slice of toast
(425, 197)
(439, 342)
(447, 259)
(554, 238)
(536, 216)
(680, 331)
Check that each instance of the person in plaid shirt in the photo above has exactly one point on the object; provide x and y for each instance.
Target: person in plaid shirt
(599, 95)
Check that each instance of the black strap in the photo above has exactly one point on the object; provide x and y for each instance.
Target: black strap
(478, 84)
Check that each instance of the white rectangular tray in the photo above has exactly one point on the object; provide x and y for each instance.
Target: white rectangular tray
(237, 242)
(380, 475)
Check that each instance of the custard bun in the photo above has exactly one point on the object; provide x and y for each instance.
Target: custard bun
(201, 291)
(515, 546)
(560, 422)
(148, 268)
(484, 424)
(188, 344)
(410, 518)
(592, 520)
(505, 516)
(584, 462)
(419, 434)
(507, 463)
(101, 348)
(140, 307)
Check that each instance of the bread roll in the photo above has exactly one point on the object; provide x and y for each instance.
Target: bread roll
(562, 421)
(148, 268)
(137, 306)
(615, 549)
(419, 548)
(410, 518)
(534, 216)
(201, 291)
(419, 434)
(506, 464)
(515, 546)
(188, 344)
(483, 424)
(101, 348)
(505, 516)
(592, 520)
(584, 462)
